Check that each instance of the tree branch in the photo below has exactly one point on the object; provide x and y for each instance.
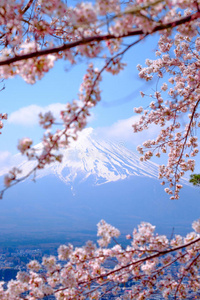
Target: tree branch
(27, 6)
(99, 38)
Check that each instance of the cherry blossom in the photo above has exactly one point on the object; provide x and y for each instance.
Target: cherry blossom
(147, 265)
(36, 34)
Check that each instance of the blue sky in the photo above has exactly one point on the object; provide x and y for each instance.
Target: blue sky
(112, 117)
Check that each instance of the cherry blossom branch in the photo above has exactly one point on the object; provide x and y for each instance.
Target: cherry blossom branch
(139, 262)
(184, 275)
(86, 283)
(150, 257)
(186, 135)
(99, 38)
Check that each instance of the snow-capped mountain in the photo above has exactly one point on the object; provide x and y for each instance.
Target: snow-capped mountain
(104, 160)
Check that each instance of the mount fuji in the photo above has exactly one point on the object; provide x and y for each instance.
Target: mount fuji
(105, 161)
(96, 179)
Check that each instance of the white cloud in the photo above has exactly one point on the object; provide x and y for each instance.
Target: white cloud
(4, 156)
(5, 161)
(122, 132)
(28, 116)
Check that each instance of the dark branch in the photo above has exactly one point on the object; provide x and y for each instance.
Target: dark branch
(27, 6)
(99, 38)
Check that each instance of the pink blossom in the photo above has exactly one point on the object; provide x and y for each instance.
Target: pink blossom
(24, 144)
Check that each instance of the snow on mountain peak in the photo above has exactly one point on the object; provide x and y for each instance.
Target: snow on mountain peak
(106, 161)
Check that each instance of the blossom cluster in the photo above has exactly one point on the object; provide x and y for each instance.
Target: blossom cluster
(146, 265)
(175, 105)
(3, 117)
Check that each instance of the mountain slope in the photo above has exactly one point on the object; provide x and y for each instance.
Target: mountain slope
(97, 179)
(104, 160)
